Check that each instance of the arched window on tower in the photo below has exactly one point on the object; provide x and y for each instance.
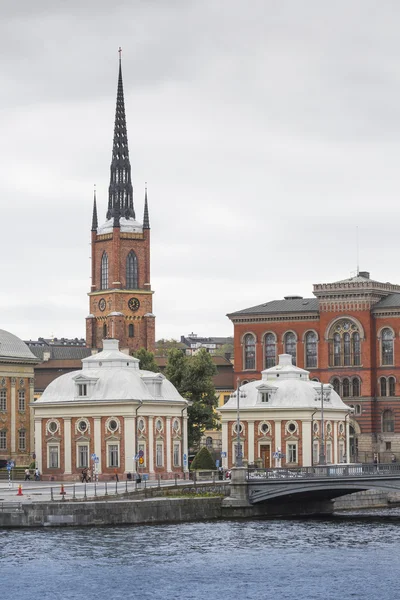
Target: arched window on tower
(382, 382)
(392, 386)
(131, 330)
(311, 350)
(356, 387)
(131, 271)
(346, 388)
(270, 350)
(387, 346)
(336, 385)
(388, 421)
(104, 271)
(290, 345)
(249, 351)
(344, 344)
(104, 331)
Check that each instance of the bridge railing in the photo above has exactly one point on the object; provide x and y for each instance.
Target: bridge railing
(342, 470)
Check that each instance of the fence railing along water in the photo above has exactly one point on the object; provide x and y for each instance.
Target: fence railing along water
(342, 470)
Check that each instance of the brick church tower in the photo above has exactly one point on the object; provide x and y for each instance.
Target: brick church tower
(121, 299)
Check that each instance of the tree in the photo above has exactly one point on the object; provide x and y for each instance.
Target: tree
(203, 460)
(192, 376)
(147, 362)
(163, 346)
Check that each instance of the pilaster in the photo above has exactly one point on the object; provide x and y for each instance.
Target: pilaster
(13, 416)
(129, 435)
(97, 441)
(67, 446)
(168, 423)
(151, 444)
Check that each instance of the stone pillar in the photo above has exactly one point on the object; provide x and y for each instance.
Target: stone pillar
(335, 443)
(307, 440)
(238, 489)
(278, 439)
(250, 442)
(31, 422)
(168, 421)
(38, 443)
(151, 445)
(347, 441)
(67, 446)
(97, 442)
(13, 416)
(129, 436)
(225, 445)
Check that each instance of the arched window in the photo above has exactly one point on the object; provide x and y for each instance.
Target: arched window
(290, 345)
(336, 385)
(131, 330)
(387, 346)
(270, 350)
(249, 351)
(346, 388)
(345, 344)
(104, 271)
(392, 386)
(388, 421)
(311, 349)
(104, 331)
(356, 387)
(131, 271)
(382, 382)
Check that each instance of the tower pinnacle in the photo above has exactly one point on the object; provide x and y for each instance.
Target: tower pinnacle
(94, 217)
(146, 222)
(120, 191)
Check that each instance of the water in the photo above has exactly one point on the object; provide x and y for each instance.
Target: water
(352, 556)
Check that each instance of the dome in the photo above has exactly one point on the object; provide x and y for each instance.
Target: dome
(14, 349)
(285, 386)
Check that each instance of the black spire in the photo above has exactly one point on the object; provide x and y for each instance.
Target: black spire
(94, 217)
(120, 191)
(146, 222)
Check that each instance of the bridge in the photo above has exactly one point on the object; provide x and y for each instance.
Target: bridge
(310, 489)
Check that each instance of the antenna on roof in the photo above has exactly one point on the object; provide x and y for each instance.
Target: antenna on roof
(358, 254)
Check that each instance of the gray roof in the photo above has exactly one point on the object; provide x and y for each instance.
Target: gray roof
(391, 301)
(281, 306)
(60, 352)
(12, 348)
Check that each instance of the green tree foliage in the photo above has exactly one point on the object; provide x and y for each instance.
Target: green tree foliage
(192, 376)
(163, 346)
(147, 362)
(203, 460)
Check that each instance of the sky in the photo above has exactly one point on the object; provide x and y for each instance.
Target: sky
(268, 132)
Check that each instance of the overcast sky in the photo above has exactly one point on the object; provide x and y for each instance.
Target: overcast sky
(267, 130)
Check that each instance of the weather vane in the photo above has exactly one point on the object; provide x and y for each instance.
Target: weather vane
(120, 52)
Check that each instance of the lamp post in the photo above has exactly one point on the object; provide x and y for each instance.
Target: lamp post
(185, 451)
(312, 437)
(322, 447)
(136, 436)
(239, 458)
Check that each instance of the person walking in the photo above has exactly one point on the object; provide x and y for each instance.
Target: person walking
(37, 474)
(27, 475)
(116, 475)
(84, 475)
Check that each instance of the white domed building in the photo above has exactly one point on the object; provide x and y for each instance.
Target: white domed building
(281, 421)
(110, 417)
(16, 393)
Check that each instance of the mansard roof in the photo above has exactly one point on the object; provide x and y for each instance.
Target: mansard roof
(288, 305)
(391, 301)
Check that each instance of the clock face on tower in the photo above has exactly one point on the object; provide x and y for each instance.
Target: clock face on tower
(102, 304)
(133, 304)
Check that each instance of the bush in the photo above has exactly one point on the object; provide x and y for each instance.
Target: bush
(203, 460)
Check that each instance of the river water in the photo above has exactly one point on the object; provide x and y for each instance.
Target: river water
(355, 555)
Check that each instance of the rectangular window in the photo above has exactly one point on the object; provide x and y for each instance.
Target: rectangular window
(83, 456)
(342, 455)
(329, 453)
(21, 401)
(22, 440)
(292, 453)
(177, 454)
(3, 440)
(142, 459)
(82, 389)
(3, 400)
(159, 455)
(113, 455)
(264, 396)
(388, 445)
(54, 457)
(226, 398)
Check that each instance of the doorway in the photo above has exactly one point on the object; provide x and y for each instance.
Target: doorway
(265, 454)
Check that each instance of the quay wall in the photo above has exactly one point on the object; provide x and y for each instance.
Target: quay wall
(367, 499)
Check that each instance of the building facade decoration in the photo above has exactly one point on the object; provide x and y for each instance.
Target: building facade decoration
(128, 418)
(348, 335)
(284, 427)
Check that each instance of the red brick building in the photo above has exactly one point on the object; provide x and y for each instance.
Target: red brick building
(347, 335)
(121, 301)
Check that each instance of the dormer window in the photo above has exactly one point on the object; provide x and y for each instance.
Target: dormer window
(264, 397)
(82, 389)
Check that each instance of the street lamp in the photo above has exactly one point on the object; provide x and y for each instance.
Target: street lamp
(136, 437)
(312, 437)
(239, 457)
(322, 447)
(185, 451)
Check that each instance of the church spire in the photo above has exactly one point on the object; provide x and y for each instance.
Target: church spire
(146, 222)
(94, 217)
(120, 191)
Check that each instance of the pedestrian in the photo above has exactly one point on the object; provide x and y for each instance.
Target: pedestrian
(27, 475)
(84, 475)
(116, 475)
(37, 474)
(393, 458)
